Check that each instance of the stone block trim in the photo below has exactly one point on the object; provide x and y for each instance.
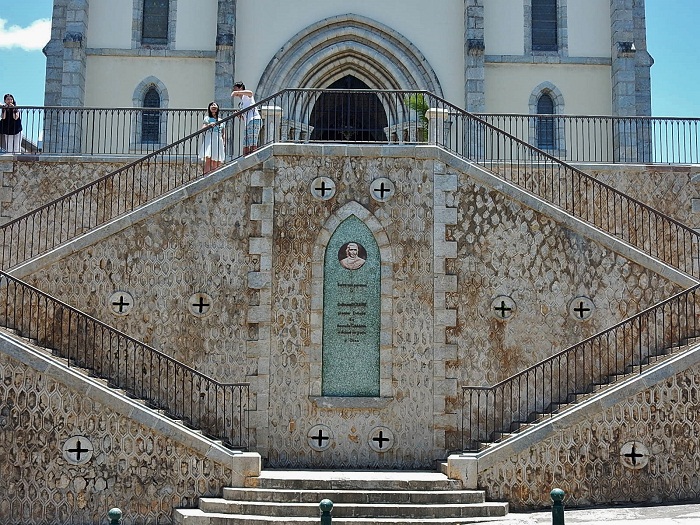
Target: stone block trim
(445, 215)
(6, 173)
(259, 315)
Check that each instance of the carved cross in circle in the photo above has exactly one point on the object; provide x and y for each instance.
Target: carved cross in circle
(121, 304)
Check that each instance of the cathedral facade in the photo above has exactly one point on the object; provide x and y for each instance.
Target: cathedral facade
(382, 303)
(575, 57)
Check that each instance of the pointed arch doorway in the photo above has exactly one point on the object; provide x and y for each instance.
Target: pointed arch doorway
(348, 116)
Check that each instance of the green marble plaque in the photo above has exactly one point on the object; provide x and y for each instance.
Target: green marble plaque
(351, 312)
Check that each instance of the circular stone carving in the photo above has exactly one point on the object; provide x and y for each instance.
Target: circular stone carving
(77, 450)
(320, 437)
(381, 189)
(503, 307)
(634, 455)
(322, 188)
(120, 303)
(381, 439)
(199, 304)
(581, 308)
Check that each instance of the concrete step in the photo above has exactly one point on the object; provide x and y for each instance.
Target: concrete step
(197, 517)
(353, 510)
(352, 480)
(420, 497)
(359, 498)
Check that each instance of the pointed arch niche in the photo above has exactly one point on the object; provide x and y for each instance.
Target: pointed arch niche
(348, 45)
(351, 223)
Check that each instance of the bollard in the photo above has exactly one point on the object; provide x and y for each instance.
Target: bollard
(115, 516)
(326, 508)
(557, 496)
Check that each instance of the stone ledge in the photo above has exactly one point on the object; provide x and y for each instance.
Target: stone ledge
(350, 402)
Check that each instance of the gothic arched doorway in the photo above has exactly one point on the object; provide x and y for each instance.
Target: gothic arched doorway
(346, 116)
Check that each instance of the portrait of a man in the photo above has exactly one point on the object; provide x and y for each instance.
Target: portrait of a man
(353, 259)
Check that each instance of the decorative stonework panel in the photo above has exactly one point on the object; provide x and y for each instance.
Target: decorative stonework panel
(407, 218)
(643, 449)
(507, 249)
(198, 245)
(121, 463)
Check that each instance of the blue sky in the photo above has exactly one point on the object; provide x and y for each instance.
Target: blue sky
(672, 32)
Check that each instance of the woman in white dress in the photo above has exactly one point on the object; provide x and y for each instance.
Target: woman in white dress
(212, 149)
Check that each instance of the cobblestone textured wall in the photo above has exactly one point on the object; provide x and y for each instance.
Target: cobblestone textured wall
(29, 184)
(506, 249)
(200, 245)
(585, 459)
(407, 221)
(132, 467)
(248, 246)
(673, 190)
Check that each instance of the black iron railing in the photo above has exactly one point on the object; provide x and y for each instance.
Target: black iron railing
(219, 410)
(357, 116)
(606, 139)
(489, 413)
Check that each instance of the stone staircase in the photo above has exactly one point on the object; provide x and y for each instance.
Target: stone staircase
(359, 498)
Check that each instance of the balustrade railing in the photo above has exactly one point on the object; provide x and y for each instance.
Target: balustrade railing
(490, 412)
(219, 410)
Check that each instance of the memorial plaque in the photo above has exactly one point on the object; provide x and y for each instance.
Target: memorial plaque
(351, 312)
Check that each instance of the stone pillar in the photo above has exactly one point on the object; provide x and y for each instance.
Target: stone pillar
(74, 56)
(272, 121)
(624, 98)
(474, 48)
(225, 52)
(54, 55)
(643, 63)
(259, 314)
(438, 131)
(66, 62)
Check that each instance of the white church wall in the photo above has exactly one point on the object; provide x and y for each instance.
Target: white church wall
(190, 81)
(110, 24)
(586, 90)
(504, 32)
(196, 25)
(436, 30)
(589, 28)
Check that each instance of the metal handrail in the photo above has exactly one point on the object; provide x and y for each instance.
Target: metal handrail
(489, 413)
(219, 410)
(309, 115)
(118, 131)
(606, 138)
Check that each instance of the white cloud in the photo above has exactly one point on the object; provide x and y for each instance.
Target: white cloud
(31, 38)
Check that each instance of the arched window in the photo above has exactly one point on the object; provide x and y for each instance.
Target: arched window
(544, 25)
(154, 28)
(546, 139)
(150, 120)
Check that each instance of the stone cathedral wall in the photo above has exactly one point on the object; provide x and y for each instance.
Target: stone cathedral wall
(250, 247)
(131, 466)
(587, 459)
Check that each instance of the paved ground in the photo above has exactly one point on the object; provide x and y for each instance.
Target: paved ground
(658, 515)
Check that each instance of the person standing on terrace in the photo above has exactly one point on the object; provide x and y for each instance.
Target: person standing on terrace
(10, 126)
(253, 121)
(212, 149)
